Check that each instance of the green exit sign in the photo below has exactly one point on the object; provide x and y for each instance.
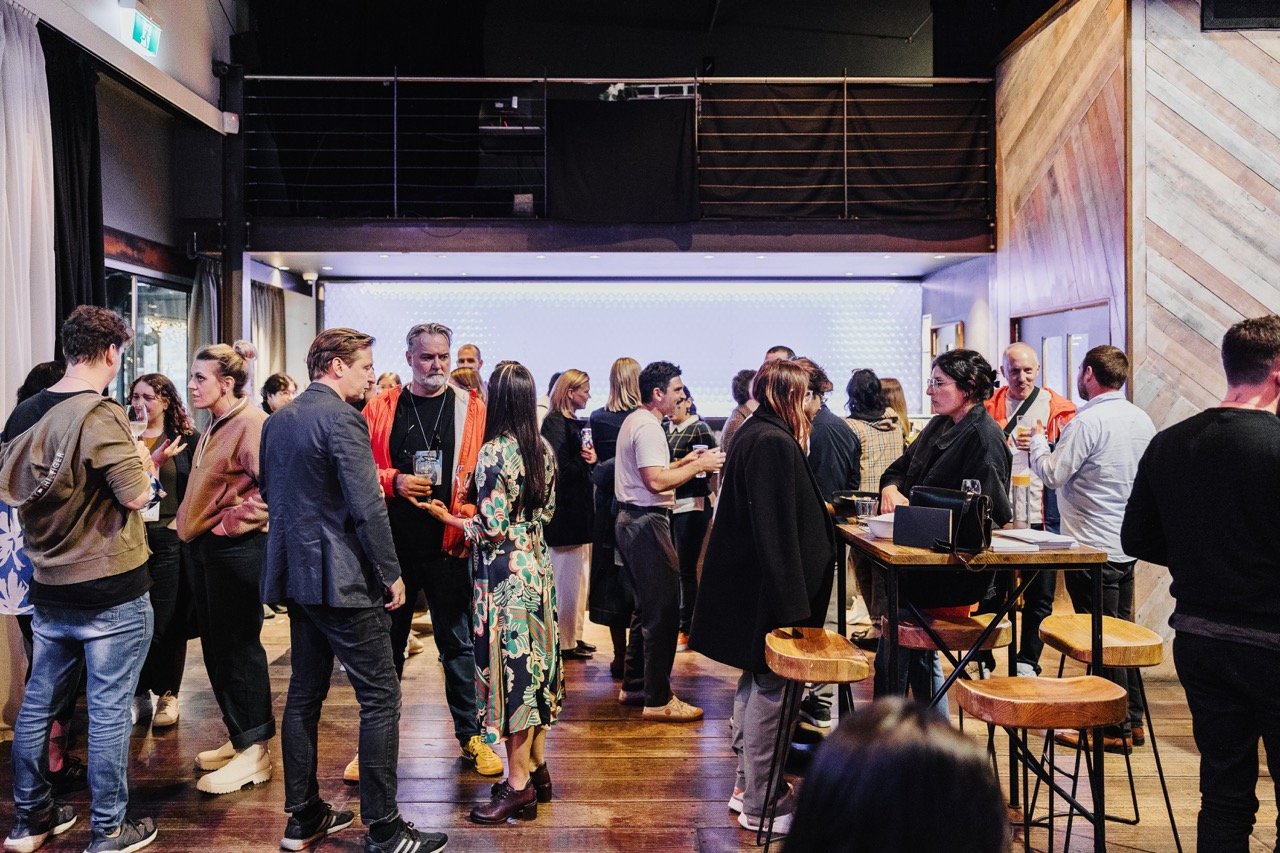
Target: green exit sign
(145, 33)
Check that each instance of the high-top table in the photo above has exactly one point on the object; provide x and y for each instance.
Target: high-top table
(893, 560)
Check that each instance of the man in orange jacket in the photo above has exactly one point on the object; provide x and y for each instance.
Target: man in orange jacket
(1017, 407)
(426, 436)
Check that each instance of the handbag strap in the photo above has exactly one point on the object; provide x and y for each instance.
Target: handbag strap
(963, 556)
(1022, 410)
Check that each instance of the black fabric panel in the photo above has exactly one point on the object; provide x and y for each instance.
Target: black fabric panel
(621, 161)
(919, 152)
(771, 152)
(77, 176)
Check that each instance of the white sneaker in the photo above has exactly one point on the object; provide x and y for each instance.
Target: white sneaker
(781, 823)
(166, 711)
(142, 707)
(251, 766)
(1026, 670)
(675, 711)
(735, 800)
(215, 759)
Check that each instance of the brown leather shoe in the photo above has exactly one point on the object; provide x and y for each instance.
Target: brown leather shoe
(1114, 745)
(508, 802)
(541, 780)
(1139, 736)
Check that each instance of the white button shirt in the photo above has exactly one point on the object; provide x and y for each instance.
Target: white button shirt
(1093, 467)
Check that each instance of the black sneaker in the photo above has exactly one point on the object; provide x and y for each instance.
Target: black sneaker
(73, 776)
(31, 831)
(407, 840)
(131, 835)
(300, 836)
(815, 712)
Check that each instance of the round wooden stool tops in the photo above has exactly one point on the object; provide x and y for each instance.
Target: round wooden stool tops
(1044, 703)
(1123, 643)
(814, 654)
(956, 632)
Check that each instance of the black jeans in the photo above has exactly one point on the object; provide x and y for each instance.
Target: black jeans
(1231, 690)
(689, 530)
(1117, 601)
(447, 584)
(644, 540)
(166, 659)
(225, 572)
(361, 640)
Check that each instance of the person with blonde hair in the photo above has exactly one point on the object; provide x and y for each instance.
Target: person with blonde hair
(468, 379)
(896, 399)
(223, 521)
(569, 531)
(768, 565)
(611, 599)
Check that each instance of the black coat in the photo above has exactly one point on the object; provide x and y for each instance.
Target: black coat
(770, 562)
(575, 504)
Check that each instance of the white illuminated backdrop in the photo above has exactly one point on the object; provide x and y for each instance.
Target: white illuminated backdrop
(712, 329)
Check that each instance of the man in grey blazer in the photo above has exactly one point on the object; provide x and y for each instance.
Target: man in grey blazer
(330, 559)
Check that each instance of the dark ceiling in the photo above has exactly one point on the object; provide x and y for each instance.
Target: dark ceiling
(620, 38)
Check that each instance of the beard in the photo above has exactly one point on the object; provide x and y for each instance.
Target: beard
(434, 382)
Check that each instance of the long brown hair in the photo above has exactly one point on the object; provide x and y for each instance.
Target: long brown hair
(895, 398)
(176, 420)
(513, 411)
(781, 385)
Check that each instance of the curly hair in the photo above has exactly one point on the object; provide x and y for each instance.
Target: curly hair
(176, 420)
(90, 331)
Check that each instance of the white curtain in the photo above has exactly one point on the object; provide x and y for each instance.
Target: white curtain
(27, 288)
(266, 330)
(202, 320)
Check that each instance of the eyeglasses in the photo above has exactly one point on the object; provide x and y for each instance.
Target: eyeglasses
(934, 384)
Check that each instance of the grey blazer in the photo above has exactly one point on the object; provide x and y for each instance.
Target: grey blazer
(329, 542)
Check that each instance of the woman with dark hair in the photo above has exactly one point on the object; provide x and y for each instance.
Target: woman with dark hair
(569, 531)
(867, 784)
(960, 443)
(519, 676)
(277, 391)
(740, 388)
(692, 514)
(171, 438)
(768, 565)
(611, 599)
(387, 381)
(223, 521)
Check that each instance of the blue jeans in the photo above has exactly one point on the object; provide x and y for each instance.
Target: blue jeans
(361, 639)
(112, 644)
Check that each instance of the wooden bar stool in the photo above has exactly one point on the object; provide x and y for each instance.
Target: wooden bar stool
(802, 655)
(948, 634)
(1124, 644)
(1018, 704)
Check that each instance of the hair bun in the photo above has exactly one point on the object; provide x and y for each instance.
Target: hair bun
(246, 350)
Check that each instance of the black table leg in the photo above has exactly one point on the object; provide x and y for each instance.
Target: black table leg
(1098, 782)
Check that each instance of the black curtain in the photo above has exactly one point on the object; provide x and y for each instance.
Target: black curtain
(621, 161)
(77, 175)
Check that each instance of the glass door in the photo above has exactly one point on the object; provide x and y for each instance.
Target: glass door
(157, 311)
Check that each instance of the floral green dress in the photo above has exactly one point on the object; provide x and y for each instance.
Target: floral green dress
(519, 677)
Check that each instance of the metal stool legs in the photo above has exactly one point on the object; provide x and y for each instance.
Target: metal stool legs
(781, 748)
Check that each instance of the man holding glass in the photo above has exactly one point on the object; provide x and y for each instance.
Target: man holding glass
(1015, 407)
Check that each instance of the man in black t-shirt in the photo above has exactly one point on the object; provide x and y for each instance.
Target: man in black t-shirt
(425, 437)
(1204, 504)
(77, 477)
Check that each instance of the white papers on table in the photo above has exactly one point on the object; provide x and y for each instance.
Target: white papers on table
(1004, 545)
(1041, 539)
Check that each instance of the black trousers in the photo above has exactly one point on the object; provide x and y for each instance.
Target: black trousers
(170, 600)
(644, 540)
(1117, 601)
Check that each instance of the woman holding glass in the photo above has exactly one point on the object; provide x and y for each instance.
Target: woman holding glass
(519, 676)
(171, 438)
(959, 444)
(223, 522)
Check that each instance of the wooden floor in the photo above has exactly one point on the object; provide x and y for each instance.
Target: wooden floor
(621, 784)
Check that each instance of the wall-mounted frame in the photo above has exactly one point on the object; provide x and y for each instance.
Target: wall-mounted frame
(947, 337)
(1240, 15)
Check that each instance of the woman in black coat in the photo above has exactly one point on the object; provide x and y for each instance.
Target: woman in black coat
(960, 443)
(569, 531)
(769, 565)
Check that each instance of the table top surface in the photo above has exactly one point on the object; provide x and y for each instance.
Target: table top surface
(883, 550)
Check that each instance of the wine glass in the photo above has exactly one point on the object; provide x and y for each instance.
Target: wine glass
(137, 420)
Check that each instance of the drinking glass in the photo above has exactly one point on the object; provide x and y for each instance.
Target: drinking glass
(137, 420)
(971, 486)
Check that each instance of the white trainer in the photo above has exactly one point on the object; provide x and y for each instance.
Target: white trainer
(141, 708)
(215, 759)
(251, 766)
(166, 711)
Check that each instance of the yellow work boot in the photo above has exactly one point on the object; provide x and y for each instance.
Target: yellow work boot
(486, 760)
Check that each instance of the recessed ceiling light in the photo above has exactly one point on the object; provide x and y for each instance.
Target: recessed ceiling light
(283, 267)
(384, 257)
(759, 257)
(464, 274)
(438, 256)
(594, 257)
(895, 273)
(887, 257)
(848, 274)
(708, 257)
(541, 257)
(938, 257)
(327, 269)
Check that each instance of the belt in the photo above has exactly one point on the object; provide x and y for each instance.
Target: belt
(648, 509)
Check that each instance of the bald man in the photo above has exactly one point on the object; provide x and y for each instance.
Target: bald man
(1021, 397)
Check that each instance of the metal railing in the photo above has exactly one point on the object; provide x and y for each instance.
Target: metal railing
(910, 149)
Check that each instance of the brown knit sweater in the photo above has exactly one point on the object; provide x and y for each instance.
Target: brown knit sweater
(222, 492)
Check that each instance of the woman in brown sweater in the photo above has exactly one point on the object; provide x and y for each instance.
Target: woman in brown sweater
(223, 520)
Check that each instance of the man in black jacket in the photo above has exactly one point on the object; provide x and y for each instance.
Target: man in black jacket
(1204, 504)
(330, 558)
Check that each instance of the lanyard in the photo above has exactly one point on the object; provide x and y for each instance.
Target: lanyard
(435, 430)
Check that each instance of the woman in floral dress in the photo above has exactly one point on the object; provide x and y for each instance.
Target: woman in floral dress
(519, 679)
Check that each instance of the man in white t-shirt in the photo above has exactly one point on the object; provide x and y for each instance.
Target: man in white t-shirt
(645, 480)
(1021, 397)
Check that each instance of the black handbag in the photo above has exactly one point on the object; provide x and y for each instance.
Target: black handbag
(970, 517)
(970, 535)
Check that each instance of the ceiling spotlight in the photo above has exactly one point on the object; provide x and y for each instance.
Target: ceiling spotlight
(327, 269)
(438, 256)
(759, 257)
(938, 257)
(541, 257)
(887, 257)
(848, 274)
(594, 257)
(464, 274)
(384, 257)
(283, 267)
(708, 257)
